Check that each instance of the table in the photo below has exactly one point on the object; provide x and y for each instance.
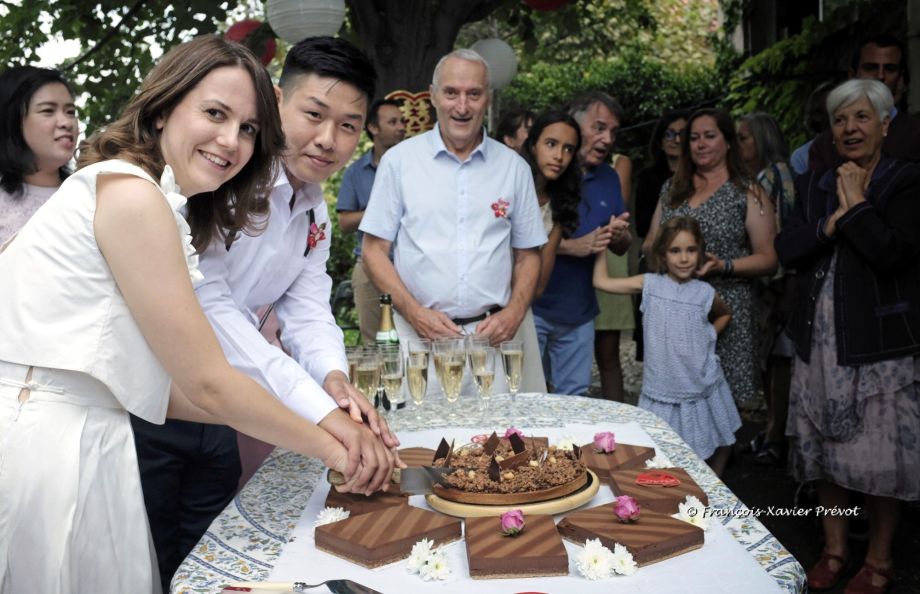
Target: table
(247, 538)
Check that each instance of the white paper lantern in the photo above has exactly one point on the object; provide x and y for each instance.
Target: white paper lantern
(501, 59)
(294, 20)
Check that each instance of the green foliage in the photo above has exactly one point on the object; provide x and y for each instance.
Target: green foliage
(775, 81)
(119, 41)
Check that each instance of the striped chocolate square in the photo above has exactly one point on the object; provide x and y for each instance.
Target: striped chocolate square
(536, 551)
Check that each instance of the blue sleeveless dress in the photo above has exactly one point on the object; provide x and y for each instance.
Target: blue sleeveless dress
(682, 380)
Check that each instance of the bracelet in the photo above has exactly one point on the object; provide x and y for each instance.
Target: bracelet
(728, 268)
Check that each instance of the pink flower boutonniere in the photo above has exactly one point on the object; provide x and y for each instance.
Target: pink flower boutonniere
(317, 234)
(500, 208)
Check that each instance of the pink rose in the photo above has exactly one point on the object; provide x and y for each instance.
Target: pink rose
(604, 442)
(626, 509)
(513, 430)
(512, 522)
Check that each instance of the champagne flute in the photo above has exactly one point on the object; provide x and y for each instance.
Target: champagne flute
(352, 354)
(367, 373)
(513, 362)
(391, 374)
(475, 346)
(484, 373)
(417, 378)
(449, 361)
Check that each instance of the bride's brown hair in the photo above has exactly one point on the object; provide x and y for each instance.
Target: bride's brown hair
(241, 202)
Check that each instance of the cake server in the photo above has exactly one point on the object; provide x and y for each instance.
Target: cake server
(417, 480)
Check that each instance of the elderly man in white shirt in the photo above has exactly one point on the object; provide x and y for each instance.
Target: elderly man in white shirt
(463, 213)
(189, 471)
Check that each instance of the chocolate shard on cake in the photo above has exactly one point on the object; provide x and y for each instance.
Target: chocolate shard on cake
(517, 444)
(386, 535)
(625, 456)
(653, 537)
(443, 449)
(536, 551)
(657, 498)
(515, 460)
(358, 503)
(415, 457)
(495, 471)
(491, 444)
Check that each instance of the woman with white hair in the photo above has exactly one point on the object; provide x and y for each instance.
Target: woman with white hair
(854, 417)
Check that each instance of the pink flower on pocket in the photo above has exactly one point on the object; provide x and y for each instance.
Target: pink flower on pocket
(317, 234)
(500, 208)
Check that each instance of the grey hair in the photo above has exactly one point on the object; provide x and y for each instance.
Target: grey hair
(771, 146)
(581, 104)
(461, 54)
(855, 89)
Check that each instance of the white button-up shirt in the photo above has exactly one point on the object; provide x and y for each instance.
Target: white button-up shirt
(271, 268)
(454, 222)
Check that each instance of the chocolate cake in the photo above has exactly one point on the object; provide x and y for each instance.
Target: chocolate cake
(358, 503)
(386, 535)
(654, 537)
(624, 457)
(535, 551)
(507, 471)
(657, 498)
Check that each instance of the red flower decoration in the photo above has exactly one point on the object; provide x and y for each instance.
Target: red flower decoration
(317, 234)
(500, 208)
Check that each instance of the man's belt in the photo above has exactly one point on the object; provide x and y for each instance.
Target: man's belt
(464, 321)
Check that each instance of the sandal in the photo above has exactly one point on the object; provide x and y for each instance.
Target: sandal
(821, 576)
(861, 583)
(771, 454)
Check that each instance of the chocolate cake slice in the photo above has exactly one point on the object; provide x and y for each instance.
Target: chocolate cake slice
(535, 551)
(657, 498)
(385, 535)
(654, 537)
(358, 503)
(625, 456)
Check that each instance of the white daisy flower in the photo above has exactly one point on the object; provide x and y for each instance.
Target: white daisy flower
(330, 515)
(623, 562)
(594, 562)
(566, 443)
(436, 568)
(693, 512)
(418, 558)
(658, 461)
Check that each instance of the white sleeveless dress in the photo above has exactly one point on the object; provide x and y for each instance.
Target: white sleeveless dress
(72, 517)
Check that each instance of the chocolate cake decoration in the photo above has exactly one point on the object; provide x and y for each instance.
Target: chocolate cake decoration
(495, 471)
(657, 479)
(450, 454)
(517, 444)
(491, 444)
(576, 451)
(441, 452)
(515, 461)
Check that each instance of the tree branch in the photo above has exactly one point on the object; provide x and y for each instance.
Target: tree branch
(108, 36)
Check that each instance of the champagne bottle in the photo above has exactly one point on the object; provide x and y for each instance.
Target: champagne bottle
(386, 336)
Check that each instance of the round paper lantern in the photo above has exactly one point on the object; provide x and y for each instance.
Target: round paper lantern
(546, 5)
(501, 59)
(265, 48)
(294, 20)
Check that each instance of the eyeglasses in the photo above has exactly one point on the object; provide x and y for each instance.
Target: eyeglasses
(672, 134)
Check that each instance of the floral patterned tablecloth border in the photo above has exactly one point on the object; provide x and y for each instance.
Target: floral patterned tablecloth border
(247, 537)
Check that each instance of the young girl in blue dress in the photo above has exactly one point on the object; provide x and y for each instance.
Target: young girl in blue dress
(682, 381)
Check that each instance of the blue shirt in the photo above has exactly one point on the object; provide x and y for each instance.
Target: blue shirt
(569, 297)
(454, 223)
(355, 191)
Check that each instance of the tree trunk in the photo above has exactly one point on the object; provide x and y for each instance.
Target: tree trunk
(406, 38)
